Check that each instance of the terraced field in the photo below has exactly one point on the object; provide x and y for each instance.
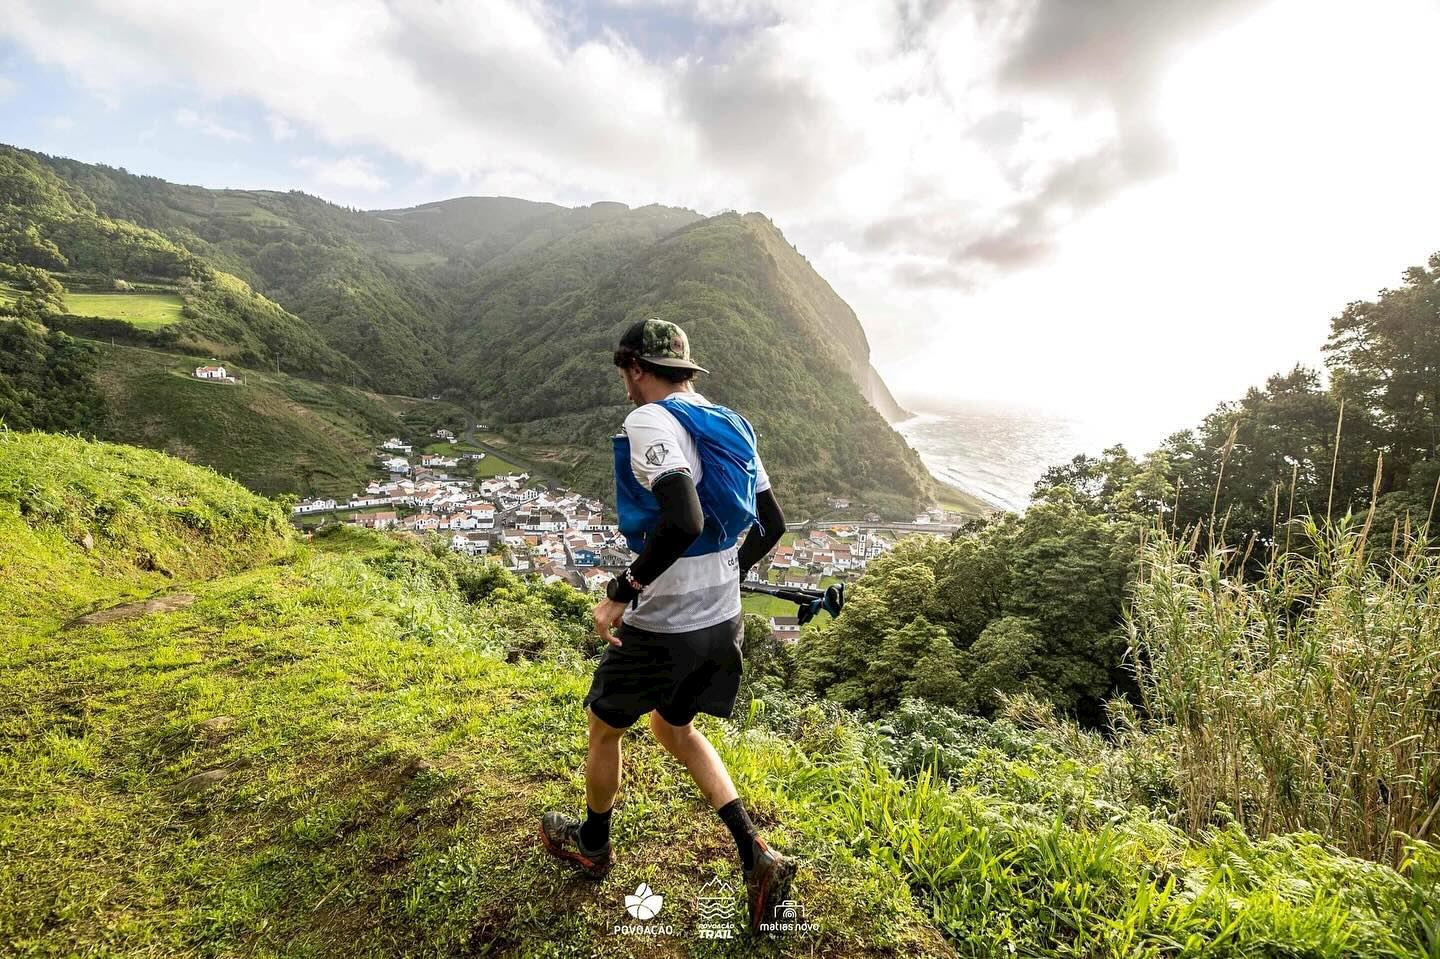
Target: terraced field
(148, 311)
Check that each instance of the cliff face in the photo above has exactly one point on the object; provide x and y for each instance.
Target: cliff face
(831, 317)
(878, 395)
(783, 348)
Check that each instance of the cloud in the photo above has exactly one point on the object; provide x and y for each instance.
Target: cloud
(207, 124)
(7, 87)
(724, 12)
(280, 128)
(345, 173)
(1109, 53)
(948, 142)
(61, 123)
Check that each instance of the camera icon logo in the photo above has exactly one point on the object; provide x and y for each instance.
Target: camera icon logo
(789, 911)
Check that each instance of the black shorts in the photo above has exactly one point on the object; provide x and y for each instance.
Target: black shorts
(676, 674)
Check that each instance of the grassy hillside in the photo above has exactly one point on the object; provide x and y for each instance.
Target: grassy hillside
(148, 311)
(486, 300)
(348, 275)
(517, 275)
(466, 224)
(86, 524)
(346, 751)
(275, 433)
(54, 226)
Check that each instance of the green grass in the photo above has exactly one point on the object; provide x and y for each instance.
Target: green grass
(378, 774)
(90, 523)
(493, 465)
(344, 749)
(148, 311)
(955, 500)
(275, 434)
(767, 606)
(1327, 722)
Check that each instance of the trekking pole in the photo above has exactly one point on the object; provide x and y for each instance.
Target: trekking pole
(810, 601)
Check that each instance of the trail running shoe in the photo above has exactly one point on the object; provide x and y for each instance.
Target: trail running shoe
(561, 836)
(767, 884)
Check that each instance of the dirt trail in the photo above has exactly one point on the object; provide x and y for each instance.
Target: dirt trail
(144, 607)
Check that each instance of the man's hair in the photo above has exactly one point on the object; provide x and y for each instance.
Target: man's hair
(627, 356)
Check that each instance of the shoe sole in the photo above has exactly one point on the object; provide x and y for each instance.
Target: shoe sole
(776, 886)
(587, 867)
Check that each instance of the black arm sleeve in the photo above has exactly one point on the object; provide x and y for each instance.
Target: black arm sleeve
(756, 544)
(681, 522)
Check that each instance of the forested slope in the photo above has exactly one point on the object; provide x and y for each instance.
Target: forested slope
(48, 224)
(751, 324)
(507, 307)
(348, 275)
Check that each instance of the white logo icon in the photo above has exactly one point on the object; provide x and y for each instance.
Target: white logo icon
(789, 911)
(716, 905)
(656, 453)
(788, 917)
(645, 904)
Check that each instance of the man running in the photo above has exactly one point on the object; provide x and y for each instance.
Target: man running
(688, 483)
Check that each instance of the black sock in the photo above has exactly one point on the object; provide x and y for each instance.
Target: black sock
(595, 830)
(734, 816)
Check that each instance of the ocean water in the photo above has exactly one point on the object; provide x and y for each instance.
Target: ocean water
(997, 452)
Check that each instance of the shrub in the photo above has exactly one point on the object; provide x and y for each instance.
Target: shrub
(1305, 700)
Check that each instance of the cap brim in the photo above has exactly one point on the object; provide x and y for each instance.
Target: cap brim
(675, 364)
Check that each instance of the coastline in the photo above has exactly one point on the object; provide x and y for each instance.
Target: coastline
(987, 457)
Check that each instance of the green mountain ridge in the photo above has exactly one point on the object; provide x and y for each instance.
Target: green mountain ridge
(506, 307)
(726, 279)
(53, 225)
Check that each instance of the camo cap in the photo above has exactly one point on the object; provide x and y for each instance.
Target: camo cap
(662, 343)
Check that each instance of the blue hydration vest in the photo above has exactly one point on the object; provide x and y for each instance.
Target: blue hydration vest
(726, 443)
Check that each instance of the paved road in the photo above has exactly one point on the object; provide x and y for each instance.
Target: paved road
(468, 436)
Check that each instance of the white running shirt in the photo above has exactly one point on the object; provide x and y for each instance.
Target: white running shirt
(698, 591)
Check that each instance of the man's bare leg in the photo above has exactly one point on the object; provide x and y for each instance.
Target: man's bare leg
(689, 745)
(768, 874)
(587, 843)
(602, 764)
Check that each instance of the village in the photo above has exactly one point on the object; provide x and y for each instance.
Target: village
(536, 528)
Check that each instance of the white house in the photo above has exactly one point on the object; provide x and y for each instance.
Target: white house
(396, 464)
(394, 443)
(211, 373)
(785, 628)
(314, 506)
(476, 544)
(595, 579)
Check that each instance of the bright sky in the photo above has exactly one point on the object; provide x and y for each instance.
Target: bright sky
(1123, 210)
